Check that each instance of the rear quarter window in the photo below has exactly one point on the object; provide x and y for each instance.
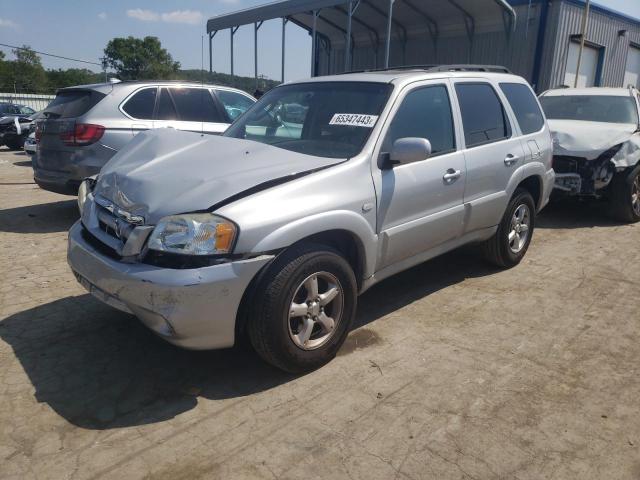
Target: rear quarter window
(73, 103)
(525, 107)
(141, 104)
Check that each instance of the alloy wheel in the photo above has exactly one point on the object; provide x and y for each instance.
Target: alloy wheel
(520, 228)
(315, 311)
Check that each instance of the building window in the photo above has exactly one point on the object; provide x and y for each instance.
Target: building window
(632, 70)
(590, 65)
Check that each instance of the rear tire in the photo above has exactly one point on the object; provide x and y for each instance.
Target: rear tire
(302, 308)
(625, 195)
(511, 241)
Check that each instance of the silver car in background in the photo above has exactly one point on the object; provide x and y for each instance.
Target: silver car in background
(319, 191)
(85, 126)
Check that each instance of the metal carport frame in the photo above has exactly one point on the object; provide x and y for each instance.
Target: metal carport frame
(348, 21)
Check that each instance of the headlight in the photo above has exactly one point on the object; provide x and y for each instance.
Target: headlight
(83, 191)
(194, 234)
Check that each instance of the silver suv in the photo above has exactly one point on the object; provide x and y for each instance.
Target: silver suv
(86, 125)
(322, 189)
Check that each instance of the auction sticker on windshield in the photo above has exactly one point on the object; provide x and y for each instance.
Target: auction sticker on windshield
(354, 120)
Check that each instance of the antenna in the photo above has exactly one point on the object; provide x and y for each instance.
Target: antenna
(202, 81)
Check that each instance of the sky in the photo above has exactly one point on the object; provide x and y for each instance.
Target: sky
(82, 28)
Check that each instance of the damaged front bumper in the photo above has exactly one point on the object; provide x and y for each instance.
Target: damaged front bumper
(192, 308)
(579, 176)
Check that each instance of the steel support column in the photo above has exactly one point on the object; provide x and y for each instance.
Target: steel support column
(211, 35)
(347, 48)
(256, 27)
(388, 41)
(314, 45)
(284, 31)
(233, 31)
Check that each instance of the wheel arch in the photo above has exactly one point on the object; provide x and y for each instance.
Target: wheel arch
(534, 185)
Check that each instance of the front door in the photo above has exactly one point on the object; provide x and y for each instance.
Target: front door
(420, 204)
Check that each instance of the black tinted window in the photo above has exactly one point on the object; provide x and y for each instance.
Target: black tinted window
(166, 110)
(524, 105)
(424, 113)
(483, 117)
(195, 105)
(591, 108)
(234, 103)
(141, 104)
(73, 103)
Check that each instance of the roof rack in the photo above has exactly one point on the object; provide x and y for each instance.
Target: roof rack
(436, 68)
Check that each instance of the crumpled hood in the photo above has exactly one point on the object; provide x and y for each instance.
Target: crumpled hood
(166, 172)
(588, 139)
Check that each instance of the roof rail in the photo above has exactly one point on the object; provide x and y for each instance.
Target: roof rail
(436, 68)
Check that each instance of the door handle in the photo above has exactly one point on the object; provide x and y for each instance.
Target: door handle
(510, 160)
(451, 175)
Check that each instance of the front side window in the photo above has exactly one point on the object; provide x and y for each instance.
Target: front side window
(141, 104)
(195, 105)
(328, 119)
(591, 108)
(483, 118)
(525, 107)
(234, 103)
(424, 113)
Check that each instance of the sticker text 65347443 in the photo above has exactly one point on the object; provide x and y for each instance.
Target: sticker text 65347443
(354, 120)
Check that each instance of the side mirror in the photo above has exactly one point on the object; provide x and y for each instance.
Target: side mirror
(406, 150)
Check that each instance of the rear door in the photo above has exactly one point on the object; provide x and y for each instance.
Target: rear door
(189, 108)
(492, 152)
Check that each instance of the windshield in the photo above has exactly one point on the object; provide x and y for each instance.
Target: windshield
(592, 108)
(328, 119)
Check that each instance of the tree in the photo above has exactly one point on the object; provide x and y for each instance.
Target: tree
(140, 59)
(24, 74)
(72, 76)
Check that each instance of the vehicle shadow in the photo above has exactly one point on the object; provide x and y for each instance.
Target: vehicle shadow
(41, 218)
(23, 163)
(569, 214)
(101, 369)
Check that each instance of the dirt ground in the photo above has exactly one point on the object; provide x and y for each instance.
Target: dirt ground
(454, 370)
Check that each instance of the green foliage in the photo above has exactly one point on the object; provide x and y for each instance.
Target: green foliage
(140, 59)
(24, 74)
(248, 84)
(133, 59)
(72, 76)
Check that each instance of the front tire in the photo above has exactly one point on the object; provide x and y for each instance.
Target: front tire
(303, 308)
(625, 195)
(511, 241)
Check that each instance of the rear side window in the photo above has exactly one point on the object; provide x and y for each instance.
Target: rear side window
(196, 105)
(166, 110)
(73, 103)
(483, 117)
(234, 103)
(525, 106)
(142, 103)
(424, 113)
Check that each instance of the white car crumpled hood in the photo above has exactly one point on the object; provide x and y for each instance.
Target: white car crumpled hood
(589, 140)
(166, 172)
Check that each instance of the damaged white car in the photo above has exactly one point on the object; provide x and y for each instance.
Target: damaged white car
(596, 145)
